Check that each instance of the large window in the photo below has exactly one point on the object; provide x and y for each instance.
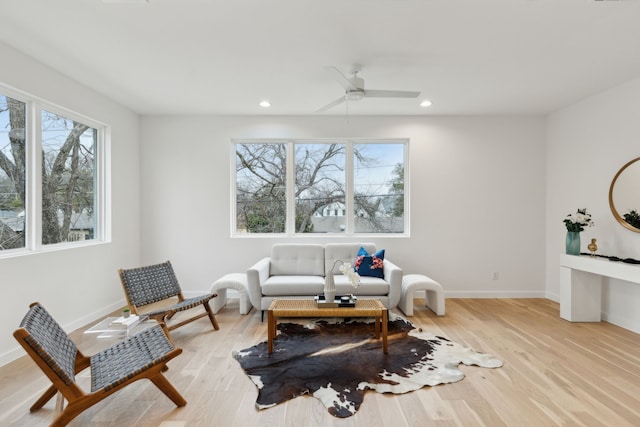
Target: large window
(50, 180)
(334, 186)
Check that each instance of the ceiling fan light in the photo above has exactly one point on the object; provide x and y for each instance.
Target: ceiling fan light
(426, 103)
(354, 95)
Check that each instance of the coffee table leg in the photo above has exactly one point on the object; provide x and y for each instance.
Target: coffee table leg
(384, 331)
(271, 329)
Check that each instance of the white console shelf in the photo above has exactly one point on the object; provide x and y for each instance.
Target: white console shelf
(581, 284)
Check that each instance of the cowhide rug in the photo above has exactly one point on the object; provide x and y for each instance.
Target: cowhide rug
(338, 362)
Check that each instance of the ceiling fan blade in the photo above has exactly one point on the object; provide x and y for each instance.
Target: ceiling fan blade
(331, 104)
(390, 94)
(341, 79)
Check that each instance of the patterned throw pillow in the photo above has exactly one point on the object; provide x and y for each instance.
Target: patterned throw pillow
(370, 265)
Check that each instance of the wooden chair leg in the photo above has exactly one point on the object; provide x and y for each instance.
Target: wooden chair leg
(42, 400)
(212, 316)
(168, 389)
(72, 410)
(59, 404)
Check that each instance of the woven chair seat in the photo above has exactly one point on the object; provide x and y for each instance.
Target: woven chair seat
(182, 305)
(123, 361)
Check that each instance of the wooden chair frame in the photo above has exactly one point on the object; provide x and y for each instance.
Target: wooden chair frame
(154, 283)
(39, 334)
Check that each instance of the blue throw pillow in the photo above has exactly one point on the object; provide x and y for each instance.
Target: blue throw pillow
(370, 265)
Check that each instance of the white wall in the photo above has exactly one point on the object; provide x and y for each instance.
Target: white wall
(587, 143)
(477, 197)
(75, 285)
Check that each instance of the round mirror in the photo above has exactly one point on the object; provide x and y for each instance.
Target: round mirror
(624, 195)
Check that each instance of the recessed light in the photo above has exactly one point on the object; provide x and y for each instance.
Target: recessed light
(265, 104)
(425, 103)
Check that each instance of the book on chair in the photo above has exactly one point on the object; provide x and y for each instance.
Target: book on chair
(125, 322)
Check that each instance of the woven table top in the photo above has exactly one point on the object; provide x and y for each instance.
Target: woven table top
(309, 308)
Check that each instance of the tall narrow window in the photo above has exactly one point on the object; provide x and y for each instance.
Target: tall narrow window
(68, 179)
(379, 188)
(12, 173)
(320, 187)
(260, 188)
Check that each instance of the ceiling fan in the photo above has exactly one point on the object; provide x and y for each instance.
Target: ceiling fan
(354, 89)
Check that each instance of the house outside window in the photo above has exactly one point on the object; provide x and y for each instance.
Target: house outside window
(305, 187)
(52, 177)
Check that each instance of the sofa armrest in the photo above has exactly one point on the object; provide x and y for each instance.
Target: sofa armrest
(393, 276)
(256, 276)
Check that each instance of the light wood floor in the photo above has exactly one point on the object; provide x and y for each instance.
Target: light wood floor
(555, 373)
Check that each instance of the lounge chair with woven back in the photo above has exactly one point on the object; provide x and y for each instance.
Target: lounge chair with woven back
(158, 283)
(143, 355)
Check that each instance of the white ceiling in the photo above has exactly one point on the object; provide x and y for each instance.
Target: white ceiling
(224, 56)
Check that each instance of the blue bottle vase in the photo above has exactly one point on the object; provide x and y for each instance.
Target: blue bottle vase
(573, 242)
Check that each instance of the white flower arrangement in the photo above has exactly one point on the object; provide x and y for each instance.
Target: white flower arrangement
(578, 220)
(346, 269)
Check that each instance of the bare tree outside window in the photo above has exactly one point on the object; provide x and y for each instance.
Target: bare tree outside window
(12, 172)
(68, 179)
(319, 184)
(68, 166)
(322, 201)
(379, 188)
(396, 190)
(260, 188)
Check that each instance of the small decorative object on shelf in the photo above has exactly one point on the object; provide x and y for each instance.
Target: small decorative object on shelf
(329, 282)
(573, 243)
(575, 223)
(126, 312)
(592, 247)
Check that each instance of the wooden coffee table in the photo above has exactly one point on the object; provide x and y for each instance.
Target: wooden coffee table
(309, 308)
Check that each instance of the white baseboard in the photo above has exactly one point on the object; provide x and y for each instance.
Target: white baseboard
(11, 355)
(623, 323)
(490, 294)
(553, 297)
(614, 320)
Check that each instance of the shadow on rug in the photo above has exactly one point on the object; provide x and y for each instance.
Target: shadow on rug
(338, 362)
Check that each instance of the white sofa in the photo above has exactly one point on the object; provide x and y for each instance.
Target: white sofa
(297, 270)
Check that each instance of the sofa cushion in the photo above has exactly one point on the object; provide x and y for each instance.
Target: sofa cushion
(368, 286)
(370, 264)
(293, 285)
(345, 252)
(297, 259)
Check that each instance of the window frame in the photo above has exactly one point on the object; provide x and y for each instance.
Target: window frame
(290, 231)
(33, 176)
